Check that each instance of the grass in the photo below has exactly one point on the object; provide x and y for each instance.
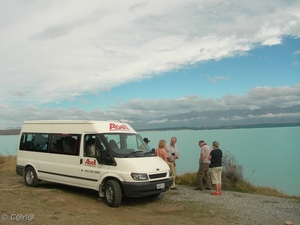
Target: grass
(232, 177)
(8, 163)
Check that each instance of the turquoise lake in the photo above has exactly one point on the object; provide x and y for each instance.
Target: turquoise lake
(269, 156)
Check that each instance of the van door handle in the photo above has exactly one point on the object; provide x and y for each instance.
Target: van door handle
(81, 161)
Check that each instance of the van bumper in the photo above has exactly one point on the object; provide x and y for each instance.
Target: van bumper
(19, 170)
(139, 189)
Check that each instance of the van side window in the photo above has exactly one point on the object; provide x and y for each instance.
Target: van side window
(93, 146)
(90, 145)
(65, 144)
(34, 142)
(41, 141)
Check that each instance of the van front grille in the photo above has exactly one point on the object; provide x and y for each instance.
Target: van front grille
(158, 175)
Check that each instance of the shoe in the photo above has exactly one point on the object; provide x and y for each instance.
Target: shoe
(207, 188)
(200, 189)
(174, 188)
(216, 193)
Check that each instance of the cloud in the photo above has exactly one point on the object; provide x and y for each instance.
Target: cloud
(258, 97)
(59, 47)
(265, 96)
(136, 7)
(295, 53)
(142, 110)
(268, 115)
(18, 93)
(271, 115)
(158, 121)
(51, 51)
(216, 78)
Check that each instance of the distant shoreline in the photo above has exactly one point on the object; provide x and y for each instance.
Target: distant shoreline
(264, 125)
(10, 132)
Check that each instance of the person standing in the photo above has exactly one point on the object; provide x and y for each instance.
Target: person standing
(172, 156)
(203, 171)
(216, 167)
(161, 151)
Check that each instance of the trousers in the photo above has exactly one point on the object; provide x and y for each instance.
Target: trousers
(172, 166)
(203, 174)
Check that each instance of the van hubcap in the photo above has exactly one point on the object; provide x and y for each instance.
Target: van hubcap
(29, 176)
(109, 194)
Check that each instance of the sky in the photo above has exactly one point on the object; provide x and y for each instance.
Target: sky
(103, 60)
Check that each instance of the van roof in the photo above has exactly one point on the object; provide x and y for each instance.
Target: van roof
(76, 126)
(66, 121)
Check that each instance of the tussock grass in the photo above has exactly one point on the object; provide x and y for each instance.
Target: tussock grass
(189, 179)
(8, 163)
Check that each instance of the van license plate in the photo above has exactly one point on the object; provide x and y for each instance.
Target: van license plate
(160, 186)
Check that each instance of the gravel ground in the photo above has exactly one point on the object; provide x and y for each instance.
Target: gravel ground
(246, 208)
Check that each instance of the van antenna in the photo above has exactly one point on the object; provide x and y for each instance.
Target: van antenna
(109, 115)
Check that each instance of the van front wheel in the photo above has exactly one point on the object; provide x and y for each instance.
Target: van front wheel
(30, 177)
(113, 193)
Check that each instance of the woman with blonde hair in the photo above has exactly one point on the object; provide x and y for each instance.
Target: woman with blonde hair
(161, 151)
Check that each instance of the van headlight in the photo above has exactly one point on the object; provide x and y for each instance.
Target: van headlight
(139, 176)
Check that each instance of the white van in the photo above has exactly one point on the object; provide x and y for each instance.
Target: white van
(107, 156)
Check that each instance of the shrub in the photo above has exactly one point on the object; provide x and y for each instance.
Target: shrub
(232, 175)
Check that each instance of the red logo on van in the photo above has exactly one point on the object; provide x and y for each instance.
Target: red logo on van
(113, 126)
(89, 162)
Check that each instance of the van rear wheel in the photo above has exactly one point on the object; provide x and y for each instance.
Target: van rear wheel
(30, 177)
(113, 193)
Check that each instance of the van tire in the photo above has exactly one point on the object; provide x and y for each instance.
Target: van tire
(30, 177)
(113, 193)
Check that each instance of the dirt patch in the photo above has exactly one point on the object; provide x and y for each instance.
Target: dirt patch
(51, 203)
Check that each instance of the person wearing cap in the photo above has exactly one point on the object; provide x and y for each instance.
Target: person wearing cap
(146, 140)
(142, 146)
(172, 151)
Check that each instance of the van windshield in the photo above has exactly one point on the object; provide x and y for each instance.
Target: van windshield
(127, 145)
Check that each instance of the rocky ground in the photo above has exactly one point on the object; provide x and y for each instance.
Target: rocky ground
(246, 208)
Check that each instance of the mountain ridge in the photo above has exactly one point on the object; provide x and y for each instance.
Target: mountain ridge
(219, 118)
(269, 116)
